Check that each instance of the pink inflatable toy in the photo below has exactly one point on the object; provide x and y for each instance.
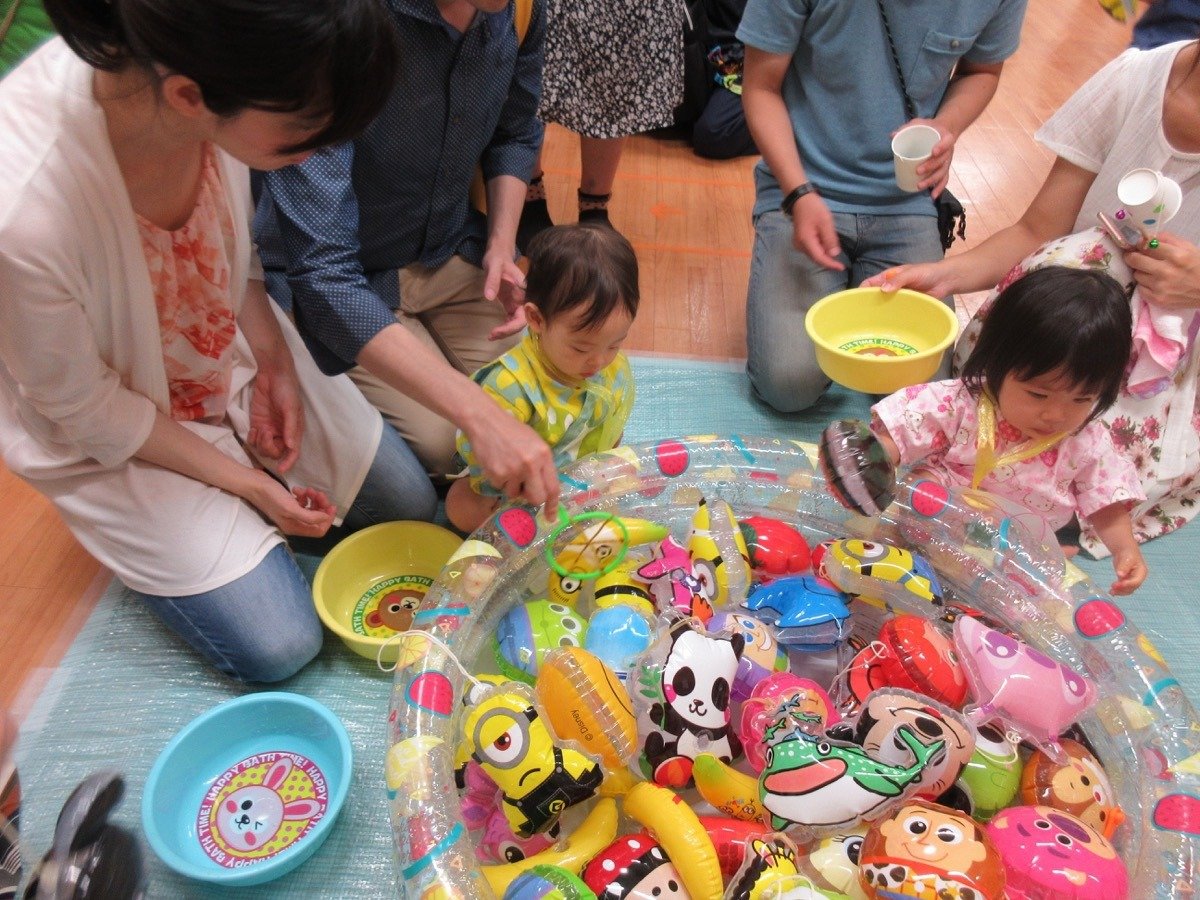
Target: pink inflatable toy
(1035, 695)
(481, 811)
(1048, 853)
(676, 584)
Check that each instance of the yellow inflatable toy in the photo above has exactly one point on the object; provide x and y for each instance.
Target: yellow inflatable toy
(592, 550)
(537, 777)
(718, 548)
(586, 703)
(732, 792)
(594, 833)
(680, 832)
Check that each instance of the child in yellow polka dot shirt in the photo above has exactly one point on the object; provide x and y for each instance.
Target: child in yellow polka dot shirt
(567, 379)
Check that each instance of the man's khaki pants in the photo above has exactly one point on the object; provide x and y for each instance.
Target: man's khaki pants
(445, 309)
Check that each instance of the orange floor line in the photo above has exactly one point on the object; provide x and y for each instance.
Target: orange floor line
(683, 248)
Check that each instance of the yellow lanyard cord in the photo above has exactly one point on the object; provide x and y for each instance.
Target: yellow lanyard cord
(986, 461)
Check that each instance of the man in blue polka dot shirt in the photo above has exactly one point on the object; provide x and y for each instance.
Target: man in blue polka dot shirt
(393, 276)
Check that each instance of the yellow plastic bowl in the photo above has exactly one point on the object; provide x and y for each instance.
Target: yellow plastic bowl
(367, 585)
(877, 343)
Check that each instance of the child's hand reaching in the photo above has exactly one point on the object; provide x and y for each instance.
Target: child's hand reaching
(1114, 527)
(1131, 570)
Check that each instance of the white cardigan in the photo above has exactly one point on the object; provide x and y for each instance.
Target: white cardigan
(82, 354)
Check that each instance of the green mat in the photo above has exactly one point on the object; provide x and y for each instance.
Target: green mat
(29, 29)
(127, 685)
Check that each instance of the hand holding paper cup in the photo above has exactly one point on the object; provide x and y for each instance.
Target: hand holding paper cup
(911, 146)
(1150, 198)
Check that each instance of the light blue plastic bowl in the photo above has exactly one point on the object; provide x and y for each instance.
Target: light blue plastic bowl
(204, 795)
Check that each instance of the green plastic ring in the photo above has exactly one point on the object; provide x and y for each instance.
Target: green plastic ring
(568, 521)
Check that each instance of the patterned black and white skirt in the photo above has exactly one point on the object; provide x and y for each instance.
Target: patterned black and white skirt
(612, 68)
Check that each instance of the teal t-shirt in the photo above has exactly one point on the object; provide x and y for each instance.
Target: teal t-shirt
(842, 92)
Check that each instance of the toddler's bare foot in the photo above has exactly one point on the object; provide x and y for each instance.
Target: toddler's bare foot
(1068, 550)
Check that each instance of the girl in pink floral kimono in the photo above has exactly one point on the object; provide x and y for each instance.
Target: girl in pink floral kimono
(1020, 422)
(1138, 111)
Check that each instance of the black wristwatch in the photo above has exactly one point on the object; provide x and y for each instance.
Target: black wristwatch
(789, 202)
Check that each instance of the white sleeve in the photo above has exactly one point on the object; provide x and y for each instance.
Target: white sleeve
(48, 347)
(1084, 129)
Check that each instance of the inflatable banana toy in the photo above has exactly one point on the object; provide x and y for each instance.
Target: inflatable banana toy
(537, 778)
(717, 547)
(682, 836)
(732, 792)
(591, 550)
(617, 783)
(594, 833)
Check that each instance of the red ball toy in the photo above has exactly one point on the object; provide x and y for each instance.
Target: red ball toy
(776, 548)
(918, 657)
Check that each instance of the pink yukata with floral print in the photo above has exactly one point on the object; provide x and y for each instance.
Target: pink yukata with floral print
(935, 428)
(189, 273)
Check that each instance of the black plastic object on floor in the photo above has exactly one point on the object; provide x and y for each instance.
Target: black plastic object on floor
(90, 859)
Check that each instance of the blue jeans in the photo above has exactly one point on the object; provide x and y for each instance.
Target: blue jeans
(396, 487)
(263, 626)
(785, 283)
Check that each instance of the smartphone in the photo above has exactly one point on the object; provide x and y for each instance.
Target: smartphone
(1125, 235)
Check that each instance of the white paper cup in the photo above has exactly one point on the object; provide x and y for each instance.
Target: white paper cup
(1146, 195)
(912, 146)
(1172, 200)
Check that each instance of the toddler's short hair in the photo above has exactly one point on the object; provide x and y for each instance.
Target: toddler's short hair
(570, 265)
(1077, 321)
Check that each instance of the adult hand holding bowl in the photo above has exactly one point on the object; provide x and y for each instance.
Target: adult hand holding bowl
(877, 342)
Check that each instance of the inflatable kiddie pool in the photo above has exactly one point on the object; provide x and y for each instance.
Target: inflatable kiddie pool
(1143, 730)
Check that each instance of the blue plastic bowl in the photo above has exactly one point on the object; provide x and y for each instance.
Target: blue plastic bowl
(249, 790)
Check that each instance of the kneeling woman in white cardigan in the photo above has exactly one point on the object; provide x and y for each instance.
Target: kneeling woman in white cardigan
(149, 387)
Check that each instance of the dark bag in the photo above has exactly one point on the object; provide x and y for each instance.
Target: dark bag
(697, 72)
(951, 217)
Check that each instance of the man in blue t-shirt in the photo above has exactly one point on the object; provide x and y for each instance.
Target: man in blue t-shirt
(823, 99)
